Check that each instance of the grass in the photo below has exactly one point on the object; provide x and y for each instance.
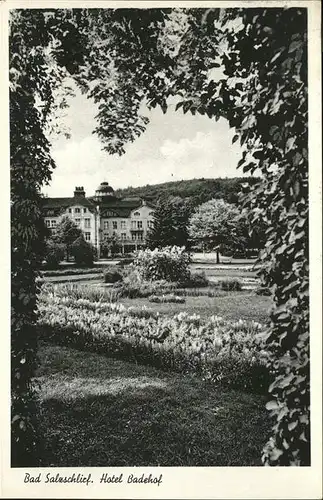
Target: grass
(97, 411)
(229, 305)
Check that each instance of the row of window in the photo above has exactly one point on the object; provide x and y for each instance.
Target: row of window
(87, 223)
(134, 224)
(77, 210)
(114, 224)
(85, 210)
(53, 222)
(134, 236)
(137, 214)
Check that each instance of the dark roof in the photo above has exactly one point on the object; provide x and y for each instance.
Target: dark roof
(57, 205)
(121, 207)
(67, 202)
(105, 188)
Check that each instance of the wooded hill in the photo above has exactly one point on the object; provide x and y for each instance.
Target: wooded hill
(197, 190)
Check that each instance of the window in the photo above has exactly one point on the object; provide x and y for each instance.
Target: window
(47, 223)
(150, 224)
(84, 210)
(78, 222)
(77, 210)
(137, 214)
(69, 210)
(123, 224)
(87, 236)
(140, 237)
(114, 224)
(133, 224)
(87, 223)
(53, 223)
(133, 236)
(105, 224)
(123, 236)
(139, 224)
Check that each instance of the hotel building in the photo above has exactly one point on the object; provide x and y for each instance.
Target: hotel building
(103, 216)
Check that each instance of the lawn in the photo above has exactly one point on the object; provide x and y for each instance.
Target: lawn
(229, 305)
(97, 411)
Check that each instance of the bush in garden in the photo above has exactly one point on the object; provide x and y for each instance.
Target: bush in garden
(133, 290)
(54, 254)
(133, 285)
(196, 280)
(82, 252)
(167, 298)
(231, 284)
(112, 276)
(169, 263)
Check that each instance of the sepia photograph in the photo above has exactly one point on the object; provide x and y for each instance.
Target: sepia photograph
(160, 251)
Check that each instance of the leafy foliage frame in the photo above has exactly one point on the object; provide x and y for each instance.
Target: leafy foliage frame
(263, 96)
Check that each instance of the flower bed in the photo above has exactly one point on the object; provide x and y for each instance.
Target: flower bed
(160, 299)
(228, 352)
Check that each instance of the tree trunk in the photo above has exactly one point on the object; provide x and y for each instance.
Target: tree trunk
(217, 256)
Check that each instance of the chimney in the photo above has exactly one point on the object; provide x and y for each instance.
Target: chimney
(79, 192)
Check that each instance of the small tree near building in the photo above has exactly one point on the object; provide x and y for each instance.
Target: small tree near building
(82, 252)
(66, 233)
(110, 246)
(54, 253)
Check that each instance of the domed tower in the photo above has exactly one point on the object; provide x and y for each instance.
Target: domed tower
(104, 192)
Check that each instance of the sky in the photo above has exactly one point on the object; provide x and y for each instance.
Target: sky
(174, 147)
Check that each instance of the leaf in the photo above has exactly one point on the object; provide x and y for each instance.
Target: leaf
(294, 46)
(272, 405)
(235, 138)
(292, 425)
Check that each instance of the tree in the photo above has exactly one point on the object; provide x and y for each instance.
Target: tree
(54, 254)
(66, 233)
(215, 224)
(170, 223)
(111, 245)
(82, 252)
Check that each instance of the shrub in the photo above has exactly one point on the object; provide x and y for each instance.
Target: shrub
(82, 252)
(54, 254)
(112, 276)
(134, 285)
(169, 263)
(167, 298)
(133, 290)
(196, 280)
(231, 284)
